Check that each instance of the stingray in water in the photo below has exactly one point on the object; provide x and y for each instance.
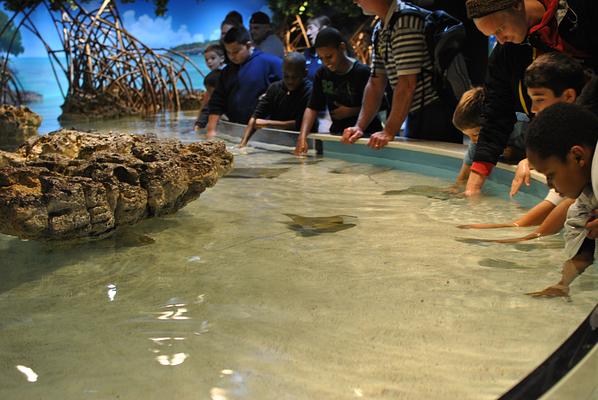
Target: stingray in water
(299, 161)
(360, 169)
(430, 192)
(256, 173)
(500, 264)
(311, 226)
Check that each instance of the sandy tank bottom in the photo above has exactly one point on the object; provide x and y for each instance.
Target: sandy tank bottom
(232, 299)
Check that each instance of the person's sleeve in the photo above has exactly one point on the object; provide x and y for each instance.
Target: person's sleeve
(377, 66)
(217, 103)
(498, 112)
(265, 105)
(317, 101)
(554, 198)
(408, 44)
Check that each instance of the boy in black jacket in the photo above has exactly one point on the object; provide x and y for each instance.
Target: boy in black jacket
(283, 105)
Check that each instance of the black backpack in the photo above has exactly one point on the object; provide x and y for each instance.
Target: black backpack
(445, 40)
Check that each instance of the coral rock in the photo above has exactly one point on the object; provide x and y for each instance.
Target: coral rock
(17, 124)
(71, 185)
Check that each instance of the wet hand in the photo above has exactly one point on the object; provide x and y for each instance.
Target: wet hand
(522, 175)
(379, 140)
(552, 291)
(592, 225)
(350, 135)
(301, 147)
(211, 134)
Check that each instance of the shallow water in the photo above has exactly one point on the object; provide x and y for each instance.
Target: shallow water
(224, 300)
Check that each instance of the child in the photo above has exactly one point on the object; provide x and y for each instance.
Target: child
(242, 81)
(285, 101)
(214, 56)
(468, 119)
(338, 85)
(561, 144)
(552, 78)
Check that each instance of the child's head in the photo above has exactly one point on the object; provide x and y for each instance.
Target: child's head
(214, 56)
(560, 144)
(293, 70)
(315, 25)
(238, 45)
(468, 113)
(553, 78)
(259, 26)
(331, 48)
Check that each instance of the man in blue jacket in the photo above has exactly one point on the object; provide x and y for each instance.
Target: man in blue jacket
(242, 81)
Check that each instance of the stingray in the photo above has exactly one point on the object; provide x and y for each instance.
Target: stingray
(312, 226)
(430, 192)
(360, 169)
(256, 173)
(500, 264)
(298, 161)
(124, 239)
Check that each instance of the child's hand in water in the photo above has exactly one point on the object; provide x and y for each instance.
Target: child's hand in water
(557, 290)
(522, 174)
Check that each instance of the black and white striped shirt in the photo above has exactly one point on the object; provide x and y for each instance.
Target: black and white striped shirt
(402, 50)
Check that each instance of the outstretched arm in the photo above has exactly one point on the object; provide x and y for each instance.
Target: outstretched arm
(271, 123)
(571, 270)
(248, 133)
(372, 99)
(309, 117)
(401, 103)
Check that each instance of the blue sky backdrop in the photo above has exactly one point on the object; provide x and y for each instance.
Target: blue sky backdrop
(186, 21)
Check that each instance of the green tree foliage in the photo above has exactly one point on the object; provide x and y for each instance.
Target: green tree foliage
(10, 41)
(284, 10)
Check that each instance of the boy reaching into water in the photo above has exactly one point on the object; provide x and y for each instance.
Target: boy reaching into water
(552, 78)
(283, 104)
(338, 86)
(561, 144)
(468, 119)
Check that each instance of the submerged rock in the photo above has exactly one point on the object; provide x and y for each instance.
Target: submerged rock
(17, 124)
(71, 184)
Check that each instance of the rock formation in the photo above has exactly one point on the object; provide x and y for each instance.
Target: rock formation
(17, 124)
(70, 184)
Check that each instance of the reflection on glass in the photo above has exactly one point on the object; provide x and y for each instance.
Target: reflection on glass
(176, 315)
(111, 291)
(175, 359)
(218, 394)
(29, 373)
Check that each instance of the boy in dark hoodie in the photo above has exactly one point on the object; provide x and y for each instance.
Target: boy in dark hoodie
(285, 101)
(243, 81)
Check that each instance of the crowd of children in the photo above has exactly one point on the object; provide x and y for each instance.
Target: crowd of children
(539, 100)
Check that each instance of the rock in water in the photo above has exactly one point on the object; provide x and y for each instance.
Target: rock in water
(17, 124)
(71, 184)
